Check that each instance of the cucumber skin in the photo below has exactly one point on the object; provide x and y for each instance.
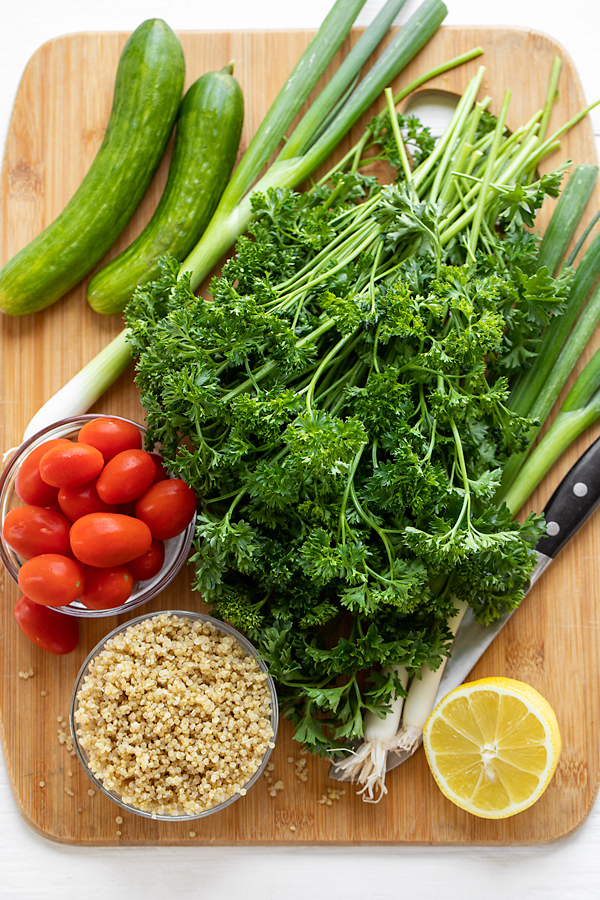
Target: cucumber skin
(208, 134)
(147, 95)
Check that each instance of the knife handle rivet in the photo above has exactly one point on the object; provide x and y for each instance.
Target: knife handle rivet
(580, 489)
(552, 528)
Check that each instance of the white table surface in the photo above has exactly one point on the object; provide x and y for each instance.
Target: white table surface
(32, 867)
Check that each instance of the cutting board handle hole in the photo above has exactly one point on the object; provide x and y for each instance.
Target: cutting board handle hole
(433, 108)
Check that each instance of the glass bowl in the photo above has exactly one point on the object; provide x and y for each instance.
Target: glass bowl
(83, 756)
(176, 549)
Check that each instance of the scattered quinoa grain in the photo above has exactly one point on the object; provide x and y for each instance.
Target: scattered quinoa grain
(274, 789)
(79, 809)
(66, 740)
(59, 718)
(192, 834)
(174, 715)
(331, 795)
(69, 774)
(292, 827)
(119, 820)
(119, 834)
(300, 769)
(43, 693)
(42, 784)
(91, 792)
(69, 792)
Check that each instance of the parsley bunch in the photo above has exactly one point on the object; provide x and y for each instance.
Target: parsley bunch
(341, 408)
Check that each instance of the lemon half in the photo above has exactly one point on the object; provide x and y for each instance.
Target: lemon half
(492, 746)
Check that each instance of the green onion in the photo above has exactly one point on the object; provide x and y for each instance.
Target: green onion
(580, 410)
(566, 217)
(234, 212)
(303, 136)
(85, 388)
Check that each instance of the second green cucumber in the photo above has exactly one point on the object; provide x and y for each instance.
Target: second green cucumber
(206, 144)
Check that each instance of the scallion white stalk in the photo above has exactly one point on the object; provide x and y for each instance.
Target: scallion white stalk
(422, 693)
(85, 388)
(367, 765)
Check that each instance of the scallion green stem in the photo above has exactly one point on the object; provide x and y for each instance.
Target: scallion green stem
(301, 139)
(234, 211)
(566, 217)
(580, 410)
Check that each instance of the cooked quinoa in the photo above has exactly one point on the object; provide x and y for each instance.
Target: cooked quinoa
(174, 715)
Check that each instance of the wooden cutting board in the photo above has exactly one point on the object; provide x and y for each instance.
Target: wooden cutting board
(552, 642)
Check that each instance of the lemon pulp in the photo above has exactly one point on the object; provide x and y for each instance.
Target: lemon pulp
(492, 746)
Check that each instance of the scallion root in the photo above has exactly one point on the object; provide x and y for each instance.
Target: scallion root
(409, 738)
(367, 765)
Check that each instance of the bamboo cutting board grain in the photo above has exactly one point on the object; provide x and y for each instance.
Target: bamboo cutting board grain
(58, 121)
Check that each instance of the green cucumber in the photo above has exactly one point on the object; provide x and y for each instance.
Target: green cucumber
(208, 133)
(148, 89)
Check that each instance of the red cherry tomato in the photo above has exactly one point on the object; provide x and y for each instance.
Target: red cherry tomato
(28, 484)
(48, 628)
(110, 436)
(161, 470)
(31, 530)
(107, 588)
(71, 466)
(80, 501)
(150, 564)
(167, 508)
(106, 540)
(126, 476)
(51, 579)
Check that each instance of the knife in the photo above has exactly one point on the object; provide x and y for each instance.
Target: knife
(573, 501)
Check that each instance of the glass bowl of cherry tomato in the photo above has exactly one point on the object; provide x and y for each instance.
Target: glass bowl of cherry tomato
(92, 524)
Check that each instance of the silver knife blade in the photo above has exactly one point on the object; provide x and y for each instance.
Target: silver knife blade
(472, 639)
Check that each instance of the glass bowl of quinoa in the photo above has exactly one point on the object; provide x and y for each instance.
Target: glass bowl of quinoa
(173, 716)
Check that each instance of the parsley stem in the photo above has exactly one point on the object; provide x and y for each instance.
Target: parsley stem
(374, 267)
(397, 136)
(357, 246)
(351, 231)
(342, 524)
(482, 199)
(376, 528)
(462, 113)
(551, 95)
(324, 363)
(270, 366)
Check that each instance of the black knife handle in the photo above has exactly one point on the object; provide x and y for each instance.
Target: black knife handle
(575, 498)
